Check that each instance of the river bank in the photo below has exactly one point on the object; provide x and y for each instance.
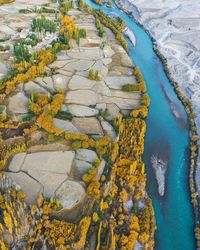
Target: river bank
(194, 152)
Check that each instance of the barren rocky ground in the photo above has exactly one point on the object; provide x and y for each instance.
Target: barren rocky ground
(65, 117)
(85, 100)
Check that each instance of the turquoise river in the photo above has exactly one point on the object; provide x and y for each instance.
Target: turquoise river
(167, 139)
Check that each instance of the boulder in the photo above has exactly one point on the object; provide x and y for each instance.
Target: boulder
(49, 82)
(55, 162)
(113, 110)
(88, 125)
(86, 155)
(106, 61)
(101, 106)
(85, 53)
(80, 82)
(101, 88)
(116, 82)
(62, 56)
(50, 181)
(119, 70)
(33, 88)
(80, 168)
(60, 81)
(70, 194)
(82, 97)
(82, 111)
(16, 162)
(79, 65)
(102, 70)
(126, 60)
(31, 187)
(108, 52)
(18, 104)
(109, 130)
(65, 125)
(58, 64)
(126, 95)
(122, 103)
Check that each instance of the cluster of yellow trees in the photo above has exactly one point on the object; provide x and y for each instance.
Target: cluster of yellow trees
(27, 71)
(46, 107)
(57, 234)
(128, 183)
(125, 182)
(67, 26)
(6, 1)
(8, 149)
(11, 207)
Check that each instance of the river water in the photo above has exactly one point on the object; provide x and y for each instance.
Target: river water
(167, 139)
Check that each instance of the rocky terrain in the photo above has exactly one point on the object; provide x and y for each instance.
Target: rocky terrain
(15, 26)
(175, 27)
(70, 134)
(85, 100)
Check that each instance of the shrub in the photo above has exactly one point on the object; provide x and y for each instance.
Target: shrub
(141, 112)
(93, 75)
(145, 100)
(99, 27)
(45, 10)
(65, 114)
(43, 24)
(129, 87)
(65, 7)
(109, 4)
(68, 31)
(134, 87)
(100, 2)
(21, 52)
(31, 39)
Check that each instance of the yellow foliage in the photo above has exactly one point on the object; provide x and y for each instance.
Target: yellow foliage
(143, 237)
(67, 26)
(61, 241)
(134, 223)
(8, 221)
(94, 189)
(40, 200)
(103, 205)
(123, 195)
(21, 195)
(28, 71)
(84, 227)
(140, 112)
(124, 240)
(131, 240)
(115, 151)
(95, 217)
(92, 174)
(99, 237)
(45, 119)
(3, 246)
